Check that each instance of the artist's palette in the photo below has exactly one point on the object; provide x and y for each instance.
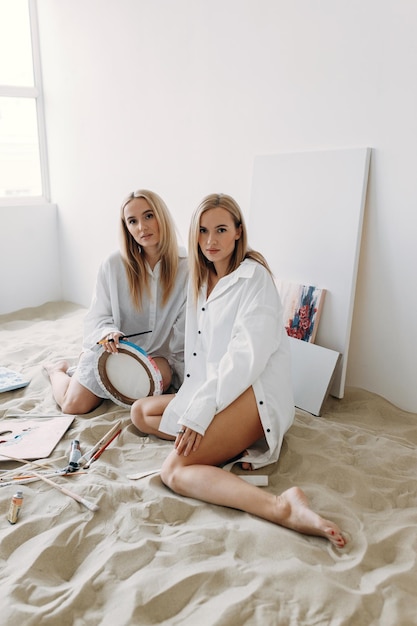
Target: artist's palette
(27, 438)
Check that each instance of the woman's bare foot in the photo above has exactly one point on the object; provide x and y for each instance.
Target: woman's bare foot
(296, 514)
(59, 366)
(246, 466)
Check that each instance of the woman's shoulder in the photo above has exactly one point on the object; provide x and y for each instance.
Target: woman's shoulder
(112, 261)
(257, 274)
(251, 267)
(183, 262)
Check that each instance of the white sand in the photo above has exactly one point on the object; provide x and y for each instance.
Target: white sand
(150, 557)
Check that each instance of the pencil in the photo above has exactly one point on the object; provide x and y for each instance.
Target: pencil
(145, 332)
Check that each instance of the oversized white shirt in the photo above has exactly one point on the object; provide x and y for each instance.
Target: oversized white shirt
(235, 339)
(112, 310)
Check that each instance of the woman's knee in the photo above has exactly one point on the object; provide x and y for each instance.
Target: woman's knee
(170, 473)
(78, 400)
(80, 405)
(137, 414)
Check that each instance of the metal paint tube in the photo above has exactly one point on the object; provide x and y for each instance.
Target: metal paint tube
(15, 506)
(75, 456)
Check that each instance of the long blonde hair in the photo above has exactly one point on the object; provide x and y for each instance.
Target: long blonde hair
(199, 265)
(134, 260)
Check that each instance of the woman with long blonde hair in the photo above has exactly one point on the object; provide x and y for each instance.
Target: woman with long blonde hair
(236, 402)
(140, 288)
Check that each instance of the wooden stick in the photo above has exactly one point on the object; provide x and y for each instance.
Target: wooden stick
(30, 479)
(25, 461)
(9, 473)
(143, 474)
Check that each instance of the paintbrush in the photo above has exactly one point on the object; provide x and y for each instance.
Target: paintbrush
(100, 451)
(71, 494)
(90, 505)
(145, 332)
(107, 437)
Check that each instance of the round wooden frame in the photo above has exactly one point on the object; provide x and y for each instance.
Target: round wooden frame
(152, 386)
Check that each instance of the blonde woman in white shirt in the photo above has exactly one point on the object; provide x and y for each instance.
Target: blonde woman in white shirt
(143, 287)
(236, 401)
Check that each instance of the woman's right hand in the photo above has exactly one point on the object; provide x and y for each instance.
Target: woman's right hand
(187, 441)
(111, 342)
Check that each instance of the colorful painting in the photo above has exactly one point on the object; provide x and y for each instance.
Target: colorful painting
(302, 306)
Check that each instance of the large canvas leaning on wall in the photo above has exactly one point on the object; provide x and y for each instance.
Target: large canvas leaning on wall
(306, 217)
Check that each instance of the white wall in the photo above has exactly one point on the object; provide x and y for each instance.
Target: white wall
(180, 95)
(29, 257)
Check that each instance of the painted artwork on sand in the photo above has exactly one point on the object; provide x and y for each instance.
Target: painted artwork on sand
(302, 305)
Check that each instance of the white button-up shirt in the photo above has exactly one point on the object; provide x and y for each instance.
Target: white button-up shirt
(235, 339)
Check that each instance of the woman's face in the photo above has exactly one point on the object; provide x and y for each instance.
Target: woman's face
(218, 236)
(142, 224)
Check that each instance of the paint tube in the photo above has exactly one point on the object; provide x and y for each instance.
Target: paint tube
(15, 506)
(75, 456)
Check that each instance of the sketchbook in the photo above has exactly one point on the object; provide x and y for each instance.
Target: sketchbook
(30, 439)
(9, 380)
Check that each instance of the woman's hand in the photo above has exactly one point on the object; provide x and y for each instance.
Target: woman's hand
(111, 342)
(187, 441)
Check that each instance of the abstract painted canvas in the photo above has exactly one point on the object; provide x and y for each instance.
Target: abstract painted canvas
(302, 306)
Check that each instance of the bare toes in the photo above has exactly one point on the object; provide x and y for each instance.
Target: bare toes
(333, 534)
(244, 464)
(295, 513)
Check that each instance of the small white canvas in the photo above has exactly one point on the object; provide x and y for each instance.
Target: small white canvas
(313, 370)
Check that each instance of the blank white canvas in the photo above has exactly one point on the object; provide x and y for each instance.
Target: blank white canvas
(313, 368)
(306, 217)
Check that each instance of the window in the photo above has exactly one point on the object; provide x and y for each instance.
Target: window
(23, 173)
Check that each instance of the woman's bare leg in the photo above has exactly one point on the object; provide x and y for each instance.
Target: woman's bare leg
(146, 414)
(197, 475)
(68, 393)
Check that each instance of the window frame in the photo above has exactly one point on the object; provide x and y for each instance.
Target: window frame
(35, 92)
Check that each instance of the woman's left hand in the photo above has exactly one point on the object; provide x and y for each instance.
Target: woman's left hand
(187, 441)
